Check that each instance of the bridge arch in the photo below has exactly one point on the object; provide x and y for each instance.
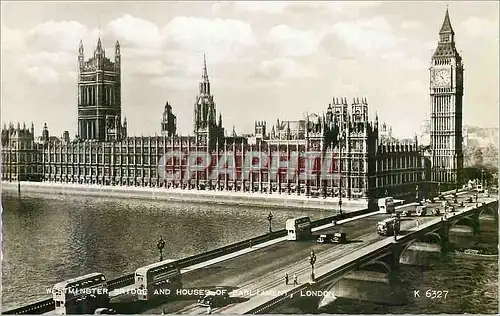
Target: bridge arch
(465, 221)
(430, 237)
(378, 266)
(490, 210)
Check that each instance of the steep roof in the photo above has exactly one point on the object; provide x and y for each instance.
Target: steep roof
(446, 27)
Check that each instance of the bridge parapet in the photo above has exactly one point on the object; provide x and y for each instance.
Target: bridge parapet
(35, 308)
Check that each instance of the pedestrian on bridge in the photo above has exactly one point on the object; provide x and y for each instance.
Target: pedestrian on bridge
(417, 223)
(295, 282)
(286, 278)
(209, 310)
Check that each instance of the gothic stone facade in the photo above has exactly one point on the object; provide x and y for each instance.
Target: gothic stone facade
(446, 91)
(363, 165)
(359, 167)
(99, 96)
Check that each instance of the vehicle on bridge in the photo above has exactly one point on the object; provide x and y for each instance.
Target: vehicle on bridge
(336, 238)
(388, 226)
(386, 205)
(298, 228)
(157, 279)
(417, 210)
(480, 188)
(81, 295)
(214, 299)
(105, 311)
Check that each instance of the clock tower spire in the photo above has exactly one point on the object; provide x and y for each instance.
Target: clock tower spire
(446, 93)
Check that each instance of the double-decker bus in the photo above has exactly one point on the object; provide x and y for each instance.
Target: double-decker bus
(158, 279)
(81, 295)
(298, 228)
(386, 205)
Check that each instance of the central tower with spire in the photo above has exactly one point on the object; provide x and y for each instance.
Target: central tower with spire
(206, 128)
(446, 93)
(99, 95)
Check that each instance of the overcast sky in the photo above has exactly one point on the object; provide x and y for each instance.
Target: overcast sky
(265, 60)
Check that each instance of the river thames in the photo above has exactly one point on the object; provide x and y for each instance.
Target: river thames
(49, 239)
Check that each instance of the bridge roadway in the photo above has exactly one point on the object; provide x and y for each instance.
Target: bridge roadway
(264, 269)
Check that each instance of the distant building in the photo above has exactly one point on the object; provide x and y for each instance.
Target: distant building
(18, 153)
(206, 128)
(65, 137)
(99, 96)
(465, 137)
(260, 130)
(425, 133)
(386, 134)
(168, 122)
(289, 130)
(480, 137)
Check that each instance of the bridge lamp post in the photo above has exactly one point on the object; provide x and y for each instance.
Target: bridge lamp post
(312, 261)
(482, 177)
(394, 229)
(270, 219)
(341, 144)
(160, 245)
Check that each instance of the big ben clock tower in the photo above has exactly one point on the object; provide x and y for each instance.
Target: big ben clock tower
(446, 92)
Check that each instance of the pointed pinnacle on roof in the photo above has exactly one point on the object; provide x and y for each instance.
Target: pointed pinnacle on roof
(204, 74)
(446, 27)
(99, 44)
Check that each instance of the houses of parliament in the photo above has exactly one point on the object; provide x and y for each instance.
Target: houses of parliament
(368, 163)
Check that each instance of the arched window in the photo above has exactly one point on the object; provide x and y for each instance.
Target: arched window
(357, 116)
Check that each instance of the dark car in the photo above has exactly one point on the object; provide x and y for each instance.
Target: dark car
(337, 238)
(105, 311)
(214, 299)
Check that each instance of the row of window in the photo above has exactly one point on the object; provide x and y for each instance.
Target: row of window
(355, 182)
(356, 164)
(405, 162)
(441, 142)
(399, 178)
(444, 177)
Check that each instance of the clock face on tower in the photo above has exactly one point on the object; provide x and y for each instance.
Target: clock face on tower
(442, 77)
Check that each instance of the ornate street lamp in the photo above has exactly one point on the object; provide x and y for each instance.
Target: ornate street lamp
(270, 219)
(160, 245)
(416, 193)
(312, 261)
(396, 220)
(341, 145)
